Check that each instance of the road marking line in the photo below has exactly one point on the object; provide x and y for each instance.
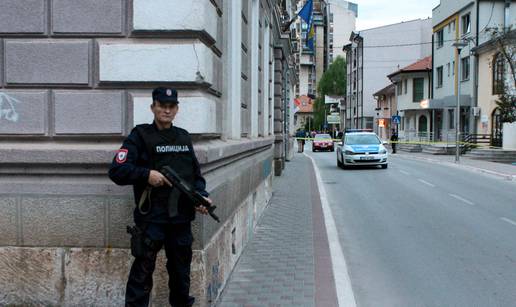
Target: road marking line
(508, 220)
(426, 182)
(462, 199)
(345, 294)
(404, 172)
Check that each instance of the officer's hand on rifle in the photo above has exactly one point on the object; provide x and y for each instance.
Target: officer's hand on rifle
(202, 209)
(156, 179)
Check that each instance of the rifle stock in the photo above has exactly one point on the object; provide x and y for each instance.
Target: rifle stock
(195, 197)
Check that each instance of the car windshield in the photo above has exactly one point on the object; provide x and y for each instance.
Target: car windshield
(322, 137)
(362, 139)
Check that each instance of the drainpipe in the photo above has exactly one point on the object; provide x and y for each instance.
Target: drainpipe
(506, 16)
(473, 122)
(362, 86)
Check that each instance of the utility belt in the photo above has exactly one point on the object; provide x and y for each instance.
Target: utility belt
(140, 242)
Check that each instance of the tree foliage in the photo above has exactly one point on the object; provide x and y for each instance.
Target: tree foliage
(507, 105)
(332, 83)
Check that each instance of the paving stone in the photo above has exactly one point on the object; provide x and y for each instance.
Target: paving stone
(277, 266)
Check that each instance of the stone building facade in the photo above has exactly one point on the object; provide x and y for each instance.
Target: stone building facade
(75, 77)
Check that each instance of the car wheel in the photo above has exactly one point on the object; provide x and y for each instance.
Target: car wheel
(339, 164)
(384, 166)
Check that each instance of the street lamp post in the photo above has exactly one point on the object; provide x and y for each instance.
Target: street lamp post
(459, 45)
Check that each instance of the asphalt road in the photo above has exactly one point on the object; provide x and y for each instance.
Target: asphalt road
(423, 234)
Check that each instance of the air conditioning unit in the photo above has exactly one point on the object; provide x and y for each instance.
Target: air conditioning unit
(475, 111)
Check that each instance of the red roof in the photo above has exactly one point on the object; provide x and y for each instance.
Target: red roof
(306, 105)
(421, 65)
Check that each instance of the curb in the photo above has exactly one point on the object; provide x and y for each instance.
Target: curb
(507, 177)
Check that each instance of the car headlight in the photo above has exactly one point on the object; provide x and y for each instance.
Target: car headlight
(383, 151)
(348, 152)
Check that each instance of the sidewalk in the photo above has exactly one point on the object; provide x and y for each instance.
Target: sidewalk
(501, 170)
(287, 262)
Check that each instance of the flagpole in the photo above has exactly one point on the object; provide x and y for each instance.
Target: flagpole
(285, 28)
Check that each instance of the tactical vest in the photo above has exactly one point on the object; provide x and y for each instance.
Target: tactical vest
(169, 147)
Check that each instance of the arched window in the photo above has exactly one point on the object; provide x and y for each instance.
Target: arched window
(498, 72)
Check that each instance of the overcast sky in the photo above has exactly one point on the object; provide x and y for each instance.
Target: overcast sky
(375, 13)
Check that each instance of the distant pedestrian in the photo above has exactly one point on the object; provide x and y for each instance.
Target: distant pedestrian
(394, 141)
(300, 136)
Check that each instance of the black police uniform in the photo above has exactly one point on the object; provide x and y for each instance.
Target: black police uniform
(148, 148)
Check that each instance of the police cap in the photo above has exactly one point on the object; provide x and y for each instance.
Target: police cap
(165, 95)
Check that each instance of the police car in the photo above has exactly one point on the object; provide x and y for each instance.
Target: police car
(361, 147)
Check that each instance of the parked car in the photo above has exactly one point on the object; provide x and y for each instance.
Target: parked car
(361, 148)
(322, 142)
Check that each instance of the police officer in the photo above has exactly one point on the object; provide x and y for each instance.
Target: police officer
(162, 213)
(394, 140)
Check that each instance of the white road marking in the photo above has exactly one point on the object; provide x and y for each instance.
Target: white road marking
(508, 220)
(404, 172)
(345, 294)
(427, 183)
(462, 199)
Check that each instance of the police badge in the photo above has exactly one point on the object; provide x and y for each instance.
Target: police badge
(121, 155)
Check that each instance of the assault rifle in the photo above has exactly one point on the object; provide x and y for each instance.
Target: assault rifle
(197, 199)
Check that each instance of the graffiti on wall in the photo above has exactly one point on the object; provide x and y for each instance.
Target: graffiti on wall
(8, 108)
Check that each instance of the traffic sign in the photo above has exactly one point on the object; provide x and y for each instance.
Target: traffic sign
(396, 119)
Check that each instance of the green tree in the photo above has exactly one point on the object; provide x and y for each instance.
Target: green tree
(332, 83)
(507, 105)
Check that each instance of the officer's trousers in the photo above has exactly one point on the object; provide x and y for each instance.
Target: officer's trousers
(177, 240)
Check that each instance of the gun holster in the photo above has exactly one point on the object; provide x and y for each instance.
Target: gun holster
(139, 241)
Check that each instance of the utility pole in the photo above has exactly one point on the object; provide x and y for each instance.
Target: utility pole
(459, 46)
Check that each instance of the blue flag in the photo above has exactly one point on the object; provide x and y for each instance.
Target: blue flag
(306, 14)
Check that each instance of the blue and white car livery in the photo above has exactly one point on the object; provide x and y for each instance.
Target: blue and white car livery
(361, 148)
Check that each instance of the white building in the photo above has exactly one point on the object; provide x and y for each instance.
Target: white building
(342, 17)
(371, 56)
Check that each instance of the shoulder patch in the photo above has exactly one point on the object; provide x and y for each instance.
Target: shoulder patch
(121, 155)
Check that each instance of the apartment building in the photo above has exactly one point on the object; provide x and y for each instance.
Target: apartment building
(371, 55)
(341, 16)
(334, 20)
(494, 72)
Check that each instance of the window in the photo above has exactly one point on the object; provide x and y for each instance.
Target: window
(453, 68)
(498, 72)
(406, 87)
(466, 24)
(418, 90)
(464, 68)
(440, 38)
(452, 25)
(451, 119)
(400, 88)
(448, 69)
(440, 76)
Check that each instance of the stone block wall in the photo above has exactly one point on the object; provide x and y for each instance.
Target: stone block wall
(75, 77)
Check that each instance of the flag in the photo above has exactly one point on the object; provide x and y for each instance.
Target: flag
(297, 104)
(306, 14)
